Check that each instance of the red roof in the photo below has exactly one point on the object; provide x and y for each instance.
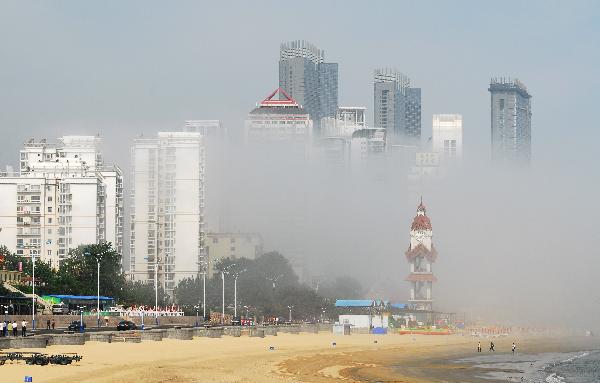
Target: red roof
(421, 251)
(287, 100)
(421, 222)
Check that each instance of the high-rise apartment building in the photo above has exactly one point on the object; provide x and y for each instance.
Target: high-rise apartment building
(510, 121)
(167, 208)
(63, 196)
(397, 106)
(305, 76)
(447, 135)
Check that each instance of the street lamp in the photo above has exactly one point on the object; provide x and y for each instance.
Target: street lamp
(197, 307)
(97, 256)
(235, 278)
(224, 271)
(205, 270)
(33, 293)
(290, 307)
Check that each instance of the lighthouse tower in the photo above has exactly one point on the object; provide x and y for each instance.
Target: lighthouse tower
(421, 255)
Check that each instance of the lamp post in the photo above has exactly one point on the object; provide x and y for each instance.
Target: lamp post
(33, 293)
(224, 271)
(205, 267)
(290, 307)
(81, 317)
(197, 307)
(97, 256)
(235, 278)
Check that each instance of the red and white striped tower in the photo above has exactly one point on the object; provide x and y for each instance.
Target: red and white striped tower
(421, 254)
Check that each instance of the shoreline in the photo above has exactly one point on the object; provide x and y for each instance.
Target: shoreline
(298, 358)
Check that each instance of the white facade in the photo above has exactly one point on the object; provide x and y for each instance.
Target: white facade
(367, 143)
(207, 128)
(347, 120)
(167, 219)
(280, 121)
(447, 135)
(63, 197)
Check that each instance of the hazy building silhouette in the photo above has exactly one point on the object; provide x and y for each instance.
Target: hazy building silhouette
(510, 121)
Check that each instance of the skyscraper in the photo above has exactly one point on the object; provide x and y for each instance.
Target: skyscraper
(510, 121)
(397, 106)
(305, 76)
(167, 210)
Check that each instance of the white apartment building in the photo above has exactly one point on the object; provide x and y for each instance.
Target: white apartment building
(447, 135)
(167, 208)
(62, 197)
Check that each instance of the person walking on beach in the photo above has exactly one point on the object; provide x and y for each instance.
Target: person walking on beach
(514, 347)
(492, 346)
(23, 328)
(478, 346)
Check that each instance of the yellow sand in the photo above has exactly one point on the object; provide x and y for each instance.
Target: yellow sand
(296, 358)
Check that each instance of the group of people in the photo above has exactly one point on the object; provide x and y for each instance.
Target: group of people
(7, 328)
(514, 347)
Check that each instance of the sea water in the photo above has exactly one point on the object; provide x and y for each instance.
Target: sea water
(573, 367)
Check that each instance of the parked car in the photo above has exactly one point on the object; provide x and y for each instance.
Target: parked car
(60, 309)
(125, 325)
(75, 326)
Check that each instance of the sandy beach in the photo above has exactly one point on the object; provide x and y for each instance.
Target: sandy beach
(295, 358)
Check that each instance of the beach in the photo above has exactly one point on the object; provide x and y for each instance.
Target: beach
(293, 358)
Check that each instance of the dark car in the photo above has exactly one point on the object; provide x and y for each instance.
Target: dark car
(125, 325)
(75, 326)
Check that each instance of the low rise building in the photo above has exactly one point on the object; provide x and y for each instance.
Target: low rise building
(220, 246)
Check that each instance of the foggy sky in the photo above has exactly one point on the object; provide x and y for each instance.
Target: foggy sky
(121, 69)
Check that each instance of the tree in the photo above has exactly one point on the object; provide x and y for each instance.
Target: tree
(78, 274)
(342, 288)
(268, 284)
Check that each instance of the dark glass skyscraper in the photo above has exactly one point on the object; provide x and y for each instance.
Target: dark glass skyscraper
(510, 121)
(397, 106)
(305, 76)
